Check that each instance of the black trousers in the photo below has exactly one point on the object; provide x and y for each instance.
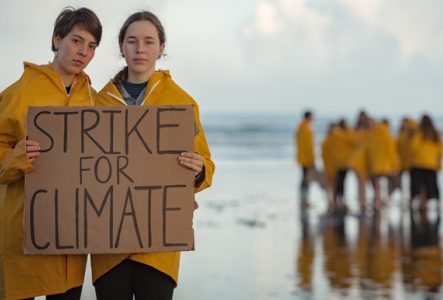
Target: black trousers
(131, 278)
(304, 185)
(427, 179)
(340, 183)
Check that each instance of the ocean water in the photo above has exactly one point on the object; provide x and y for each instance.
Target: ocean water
(249, 137)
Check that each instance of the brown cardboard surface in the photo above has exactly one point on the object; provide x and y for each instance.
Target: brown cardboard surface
(108, 180)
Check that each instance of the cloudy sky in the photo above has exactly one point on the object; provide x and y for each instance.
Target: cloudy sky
(333, 56)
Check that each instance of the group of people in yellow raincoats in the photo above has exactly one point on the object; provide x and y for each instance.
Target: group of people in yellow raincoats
(77, 33)
(373, 153)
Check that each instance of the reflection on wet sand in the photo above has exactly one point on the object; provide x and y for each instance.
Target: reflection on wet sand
(306, 259)
(377, 255)
(422, 261)
(386, 256)
(336, 251)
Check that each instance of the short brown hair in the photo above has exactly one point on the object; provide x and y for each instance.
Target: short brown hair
(70, 17)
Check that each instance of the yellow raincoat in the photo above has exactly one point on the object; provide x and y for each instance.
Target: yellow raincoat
(382, 152)
(426, 154)
(24, 276)
(358, 160)
(161, 90)
(404, 145)
(305, 144)
(344, 144)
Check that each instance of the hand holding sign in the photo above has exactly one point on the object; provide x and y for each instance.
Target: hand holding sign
(32, 150)
(193, 161)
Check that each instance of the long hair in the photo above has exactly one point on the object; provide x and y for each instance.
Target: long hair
(122, 75)
(428, 130)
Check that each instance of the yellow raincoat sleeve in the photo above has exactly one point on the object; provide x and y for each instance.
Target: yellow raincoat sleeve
(13, 159)
(201, 147)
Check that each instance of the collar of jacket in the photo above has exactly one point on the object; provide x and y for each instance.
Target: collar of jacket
(155, 85)
(54, 77)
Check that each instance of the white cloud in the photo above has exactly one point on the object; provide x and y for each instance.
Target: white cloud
(365, 10)
(323, 31)
(287, 32)
(415, 25)
(267, 22)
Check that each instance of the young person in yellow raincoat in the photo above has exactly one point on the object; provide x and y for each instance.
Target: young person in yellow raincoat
(147, 275)
(407, 130)
(327, 153)
(383, 161)
(304, 139)
(426, 150)
(344, 144)
(76, 35)
(358, 160)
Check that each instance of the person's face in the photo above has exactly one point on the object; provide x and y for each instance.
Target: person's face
(141, 48)
(74, 52)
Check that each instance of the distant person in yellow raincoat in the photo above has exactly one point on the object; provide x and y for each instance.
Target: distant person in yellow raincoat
(382, 161)
(344, 144)
(407, 129)
(358, 160)
(304, 138)
(147, 275)
(77, 32)
(426, 152)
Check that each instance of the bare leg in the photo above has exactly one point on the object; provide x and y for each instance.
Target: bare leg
(362, 193)
(377, 193)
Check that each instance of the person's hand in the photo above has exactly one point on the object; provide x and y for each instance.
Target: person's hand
(32, 150)
(193, 161)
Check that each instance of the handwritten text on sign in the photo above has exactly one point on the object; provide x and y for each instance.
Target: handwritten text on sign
(108, 180)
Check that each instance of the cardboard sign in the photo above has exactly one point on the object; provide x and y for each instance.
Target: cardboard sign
(108, 180)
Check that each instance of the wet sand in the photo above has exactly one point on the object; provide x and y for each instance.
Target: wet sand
(253, 242)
